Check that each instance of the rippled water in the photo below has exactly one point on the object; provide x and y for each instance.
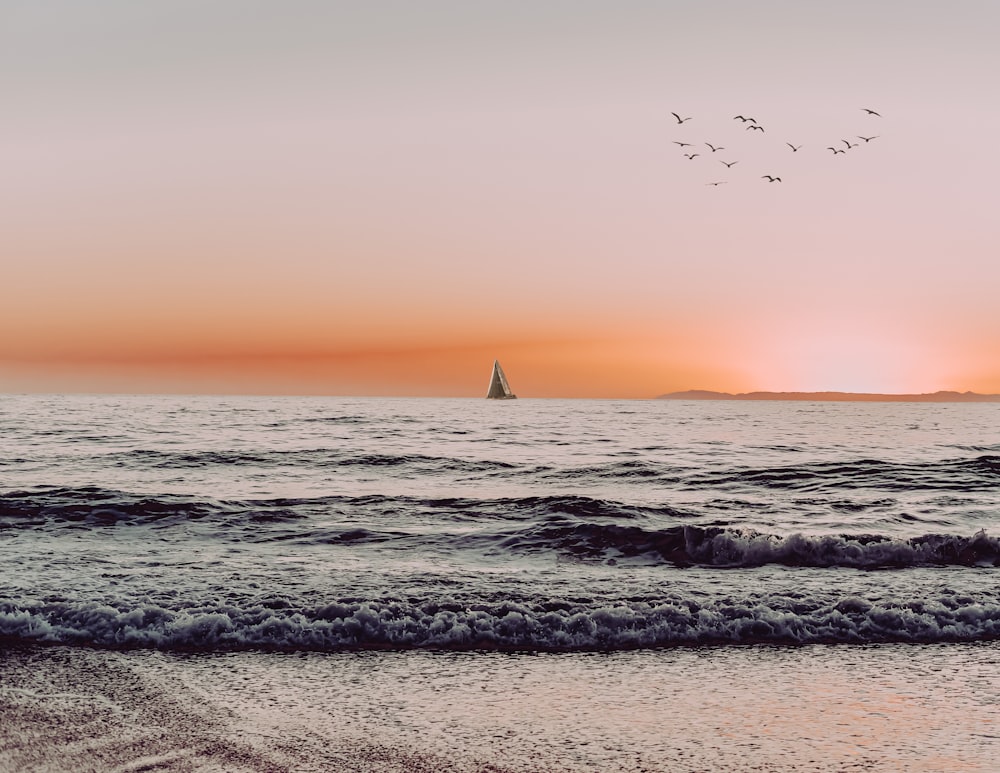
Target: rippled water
(335, 523)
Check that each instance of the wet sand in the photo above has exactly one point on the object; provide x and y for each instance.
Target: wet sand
(892, 707)
(87, 711)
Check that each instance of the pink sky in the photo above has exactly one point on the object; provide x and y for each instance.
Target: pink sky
(341, 199)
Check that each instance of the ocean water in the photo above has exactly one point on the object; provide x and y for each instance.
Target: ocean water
(599, 545)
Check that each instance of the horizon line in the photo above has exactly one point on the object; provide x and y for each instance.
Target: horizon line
(694, 395)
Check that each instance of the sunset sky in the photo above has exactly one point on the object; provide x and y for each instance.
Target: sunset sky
(354, 198)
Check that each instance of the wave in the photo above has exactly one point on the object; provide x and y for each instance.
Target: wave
(981, 473)
(992, 448)
(552, 626)
(92, 506)
(311, 458)
(95, 505)
(737, 548)
(678, 546)
(577, 527)
(629, 470)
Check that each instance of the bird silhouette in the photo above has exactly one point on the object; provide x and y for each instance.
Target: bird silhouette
(868, 139)
(721, 182)
(793, 147)
(849, 145)
(713, 147)
(770, 179)
(740, 117)
(728, 163)
(835, 151)
(871, 112)
(679, 119)
(758, 128)
(682, 144)
(692, 156)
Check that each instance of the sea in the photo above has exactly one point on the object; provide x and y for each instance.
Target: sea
(335, 583)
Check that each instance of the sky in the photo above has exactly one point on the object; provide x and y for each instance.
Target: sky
(351, 198)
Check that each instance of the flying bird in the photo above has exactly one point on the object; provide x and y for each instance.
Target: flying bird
(835, 151)
(868, 139)
(682, 144)
(692, 156)
(679, 119)
(728, 163)
(713, 147)
(793, 147)
(740, 117)
(721, 182)
(758, 128)
(849, 145)
(871, 112)
(770, 179)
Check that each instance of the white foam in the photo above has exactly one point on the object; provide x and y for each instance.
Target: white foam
(363, 625)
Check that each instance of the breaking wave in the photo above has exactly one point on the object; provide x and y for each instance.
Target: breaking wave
(727, 548)
(552, 626)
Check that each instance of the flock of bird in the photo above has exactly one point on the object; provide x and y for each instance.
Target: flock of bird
(752, 125)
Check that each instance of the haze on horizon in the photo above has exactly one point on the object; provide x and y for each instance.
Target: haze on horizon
(339, 198)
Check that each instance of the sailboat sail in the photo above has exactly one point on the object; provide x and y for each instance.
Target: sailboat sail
(499, 388)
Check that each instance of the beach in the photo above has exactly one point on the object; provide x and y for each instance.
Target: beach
(814, 708)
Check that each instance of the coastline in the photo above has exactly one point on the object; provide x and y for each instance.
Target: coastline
(833, 397)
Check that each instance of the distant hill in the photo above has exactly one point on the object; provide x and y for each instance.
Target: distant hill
(836, 397)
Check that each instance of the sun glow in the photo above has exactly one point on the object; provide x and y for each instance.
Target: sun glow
(845, 359)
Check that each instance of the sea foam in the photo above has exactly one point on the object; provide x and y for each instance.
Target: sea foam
(509, 626)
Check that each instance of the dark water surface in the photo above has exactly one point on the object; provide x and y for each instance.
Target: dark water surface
(323, 524)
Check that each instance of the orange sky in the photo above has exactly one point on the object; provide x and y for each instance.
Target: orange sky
(332, 200)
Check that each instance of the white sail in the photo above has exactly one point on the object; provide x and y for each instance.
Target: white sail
(499, 388)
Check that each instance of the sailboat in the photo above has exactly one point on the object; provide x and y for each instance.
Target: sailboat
(499, 388)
